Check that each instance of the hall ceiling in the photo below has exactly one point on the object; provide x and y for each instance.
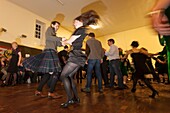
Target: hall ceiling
(116, 15)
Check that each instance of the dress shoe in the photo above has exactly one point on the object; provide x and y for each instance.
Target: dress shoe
(154, 94)
(38, 93)
(54, 96)
(115, 84)
(76, 100)
(100, 90)
(86, 90)
(142, 85)
(4, 84)
(133, 90)
(66, 104)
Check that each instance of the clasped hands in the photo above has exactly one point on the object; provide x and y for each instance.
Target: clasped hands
(64, 41)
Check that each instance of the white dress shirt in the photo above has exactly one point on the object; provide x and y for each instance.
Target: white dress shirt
(113, 53)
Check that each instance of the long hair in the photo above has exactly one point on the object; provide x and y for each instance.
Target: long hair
(88, 18)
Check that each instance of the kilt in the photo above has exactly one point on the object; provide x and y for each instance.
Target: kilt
(45, 62)
(77, 57)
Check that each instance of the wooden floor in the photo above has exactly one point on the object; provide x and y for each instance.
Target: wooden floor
(21, 99)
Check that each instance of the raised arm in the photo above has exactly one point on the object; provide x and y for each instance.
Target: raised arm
(72, 39)
(127, 54)
(54, 38)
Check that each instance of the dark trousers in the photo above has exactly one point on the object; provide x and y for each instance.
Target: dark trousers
(45, 79)
(114, 66)
(104, 70)
(79, 76)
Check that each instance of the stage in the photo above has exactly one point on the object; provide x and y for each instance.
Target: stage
(21, 99)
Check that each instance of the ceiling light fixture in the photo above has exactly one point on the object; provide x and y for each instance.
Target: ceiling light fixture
(96, 26)
(23, 36)
(3, 30)
(60, 2)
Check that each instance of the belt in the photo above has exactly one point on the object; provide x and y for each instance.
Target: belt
(114, 59)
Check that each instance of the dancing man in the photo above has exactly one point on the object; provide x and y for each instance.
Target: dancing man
(47, 62)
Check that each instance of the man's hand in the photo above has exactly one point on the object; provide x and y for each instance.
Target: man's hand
(101, 61)
(161, 24)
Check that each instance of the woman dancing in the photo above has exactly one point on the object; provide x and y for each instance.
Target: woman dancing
(139, 57)
(15, 61)
(76, 57)
(47, 62)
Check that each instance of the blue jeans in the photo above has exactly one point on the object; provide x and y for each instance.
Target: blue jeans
(114, 66)
(94, 64)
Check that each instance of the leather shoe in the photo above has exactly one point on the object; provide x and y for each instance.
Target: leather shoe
(66, 104)
(38, 93)
(53, 96)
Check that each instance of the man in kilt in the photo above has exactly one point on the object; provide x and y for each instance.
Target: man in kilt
(47, 62)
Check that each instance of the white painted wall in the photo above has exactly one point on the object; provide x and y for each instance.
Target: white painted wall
(17, 21)
(144, 35)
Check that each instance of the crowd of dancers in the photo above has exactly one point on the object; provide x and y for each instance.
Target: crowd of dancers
(62, 66)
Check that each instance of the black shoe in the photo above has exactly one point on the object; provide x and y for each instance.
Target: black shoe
(100, 90)
(142, 85)
(66, 104)
(4, 84)
(76, 100)
(154, 94)
(133, 90)
(115, 84)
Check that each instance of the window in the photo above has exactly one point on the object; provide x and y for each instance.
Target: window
(39, 29)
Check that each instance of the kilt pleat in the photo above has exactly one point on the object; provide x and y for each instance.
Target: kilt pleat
(45, 62)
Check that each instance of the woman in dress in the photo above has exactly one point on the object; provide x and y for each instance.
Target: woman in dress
(14, 62)
(139, 57)
(47, 62)
(76, 57)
